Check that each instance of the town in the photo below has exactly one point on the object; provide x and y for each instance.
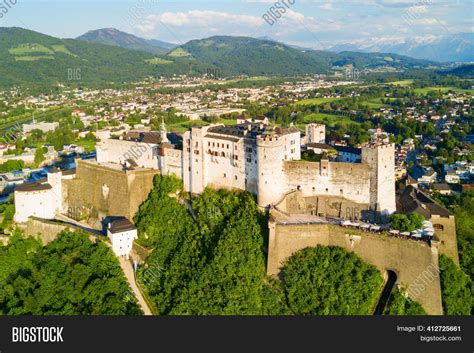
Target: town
(314, 152)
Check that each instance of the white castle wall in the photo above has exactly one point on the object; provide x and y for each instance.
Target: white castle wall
(119, 151)
(171, 163)
(41, 204)
(269, 166)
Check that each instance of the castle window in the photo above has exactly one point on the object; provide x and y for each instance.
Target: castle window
(209, 144)
(213, 144)
(223, 154)
(225, 175)
(341, 191)
(439, 227)
(327, 190)
(236, 177)
(227, 146)
(197, 144)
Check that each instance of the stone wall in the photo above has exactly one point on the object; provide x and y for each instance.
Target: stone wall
(407, 258)
(347, 180)
(324, 206)
(107, 191)
(43, 230)
(446, 232)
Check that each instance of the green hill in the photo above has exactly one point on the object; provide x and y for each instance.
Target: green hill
(243, 55)
(112, 36)
(249, 56)
(34, 59)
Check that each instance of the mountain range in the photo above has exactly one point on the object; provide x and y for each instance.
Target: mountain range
(447, 48)
(112, 36)
(31, 58)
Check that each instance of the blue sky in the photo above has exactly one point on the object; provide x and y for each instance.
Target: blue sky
(309, 23)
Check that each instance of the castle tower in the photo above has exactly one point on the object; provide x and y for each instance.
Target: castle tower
(315, 133)
(381, 159)
(271, 177)
(55, 180)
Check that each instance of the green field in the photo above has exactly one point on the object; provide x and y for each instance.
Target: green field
(443, 89)
(328, 119)
(375, 103)
(158, 61)
(61, 49)
(317, 101)
(30, 48)
(404, 83)
(33, 58)
(179, 53)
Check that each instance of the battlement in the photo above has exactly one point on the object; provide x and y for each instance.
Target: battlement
(378, 146)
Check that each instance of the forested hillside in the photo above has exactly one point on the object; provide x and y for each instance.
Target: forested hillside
(216, 264)
(70, 276)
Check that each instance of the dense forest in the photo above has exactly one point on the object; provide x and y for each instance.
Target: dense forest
(70, 276)
(214, 262)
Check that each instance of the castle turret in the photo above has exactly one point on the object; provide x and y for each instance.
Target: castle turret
(315, 133)
(381, 159)
(271, 178)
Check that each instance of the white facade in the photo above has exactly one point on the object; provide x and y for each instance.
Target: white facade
(267, 164)
(212, 156)
(121, 151)
(39, 200)
(122, 242)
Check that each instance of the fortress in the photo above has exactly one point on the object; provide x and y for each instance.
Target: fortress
(267, 163)
(307, 200)
(253, 157)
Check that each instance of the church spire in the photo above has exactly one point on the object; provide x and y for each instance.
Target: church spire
(163, 132)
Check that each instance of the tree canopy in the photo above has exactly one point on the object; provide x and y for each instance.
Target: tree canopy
(330, 281)
(456, 287)
(401, 305)
(407, 223)
(70, 276)
(215, 264)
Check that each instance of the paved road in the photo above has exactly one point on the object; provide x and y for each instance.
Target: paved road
(127, 269)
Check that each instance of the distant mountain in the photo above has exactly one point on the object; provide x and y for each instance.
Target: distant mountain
(449, 48)
(31, 58)
(250, 56)
(112, 36)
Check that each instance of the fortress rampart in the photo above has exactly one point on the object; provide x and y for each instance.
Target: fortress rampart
(415, 263)
(107, 191)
